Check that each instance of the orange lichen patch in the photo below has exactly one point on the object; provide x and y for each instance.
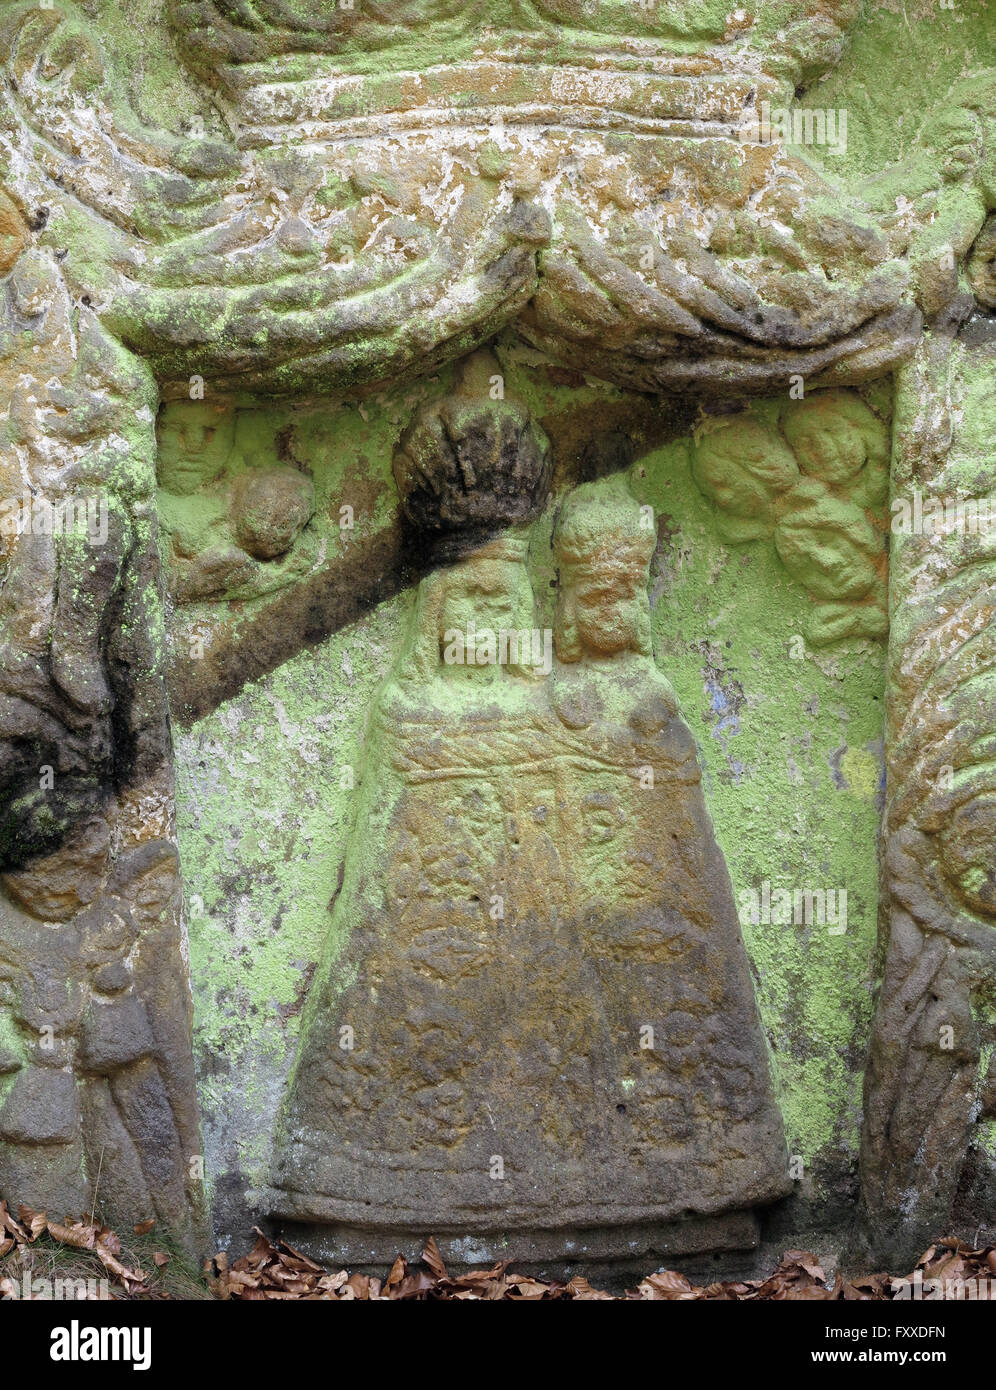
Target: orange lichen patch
(14, 234)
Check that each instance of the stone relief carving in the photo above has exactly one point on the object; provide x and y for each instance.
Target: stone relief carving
(338, 280)
(95, 998)
(681, 258)
(98, 1100)
(933, 205)
(815, 480)
(232, 530)
(535, 1013)
(930, 1076)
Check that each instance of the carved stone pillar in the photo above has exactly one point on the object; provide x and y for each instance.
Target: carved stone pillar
(930, 1077)
(98, 1110)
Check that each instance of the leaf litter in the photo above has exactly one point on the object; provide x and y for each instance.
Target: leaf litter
(275, 1270)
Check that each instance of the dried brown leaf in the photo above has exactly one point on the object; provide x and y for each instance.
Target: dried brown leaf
(80, 1237)
(430, 1256)
(35, 1221)
(668, 1285)
(396, 1273)
(805, 1261)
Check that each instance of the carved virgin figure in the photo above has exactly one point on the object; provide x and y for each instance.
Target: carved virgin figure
(535, 1015)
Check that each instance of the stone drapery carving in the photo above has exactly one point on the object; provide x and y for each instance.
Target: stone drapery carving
(270, 274)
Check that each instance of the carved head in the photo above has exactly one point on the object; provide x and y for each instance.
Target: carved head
(741, 465)
(834, 435)
(966, 852)
(953, 136)
(486, 591)
(603, 550)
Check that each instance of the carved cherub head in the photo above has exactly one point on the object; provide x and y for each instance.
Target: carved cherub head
(834, 435)
(603, 551)
(741, 465)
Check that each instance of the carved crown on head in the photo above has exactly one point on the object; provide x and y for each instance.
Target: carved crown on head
(600, 529)
(472, 464)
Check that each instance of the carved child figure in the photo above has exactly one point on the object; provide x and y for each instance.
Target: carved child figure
(655, 908)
